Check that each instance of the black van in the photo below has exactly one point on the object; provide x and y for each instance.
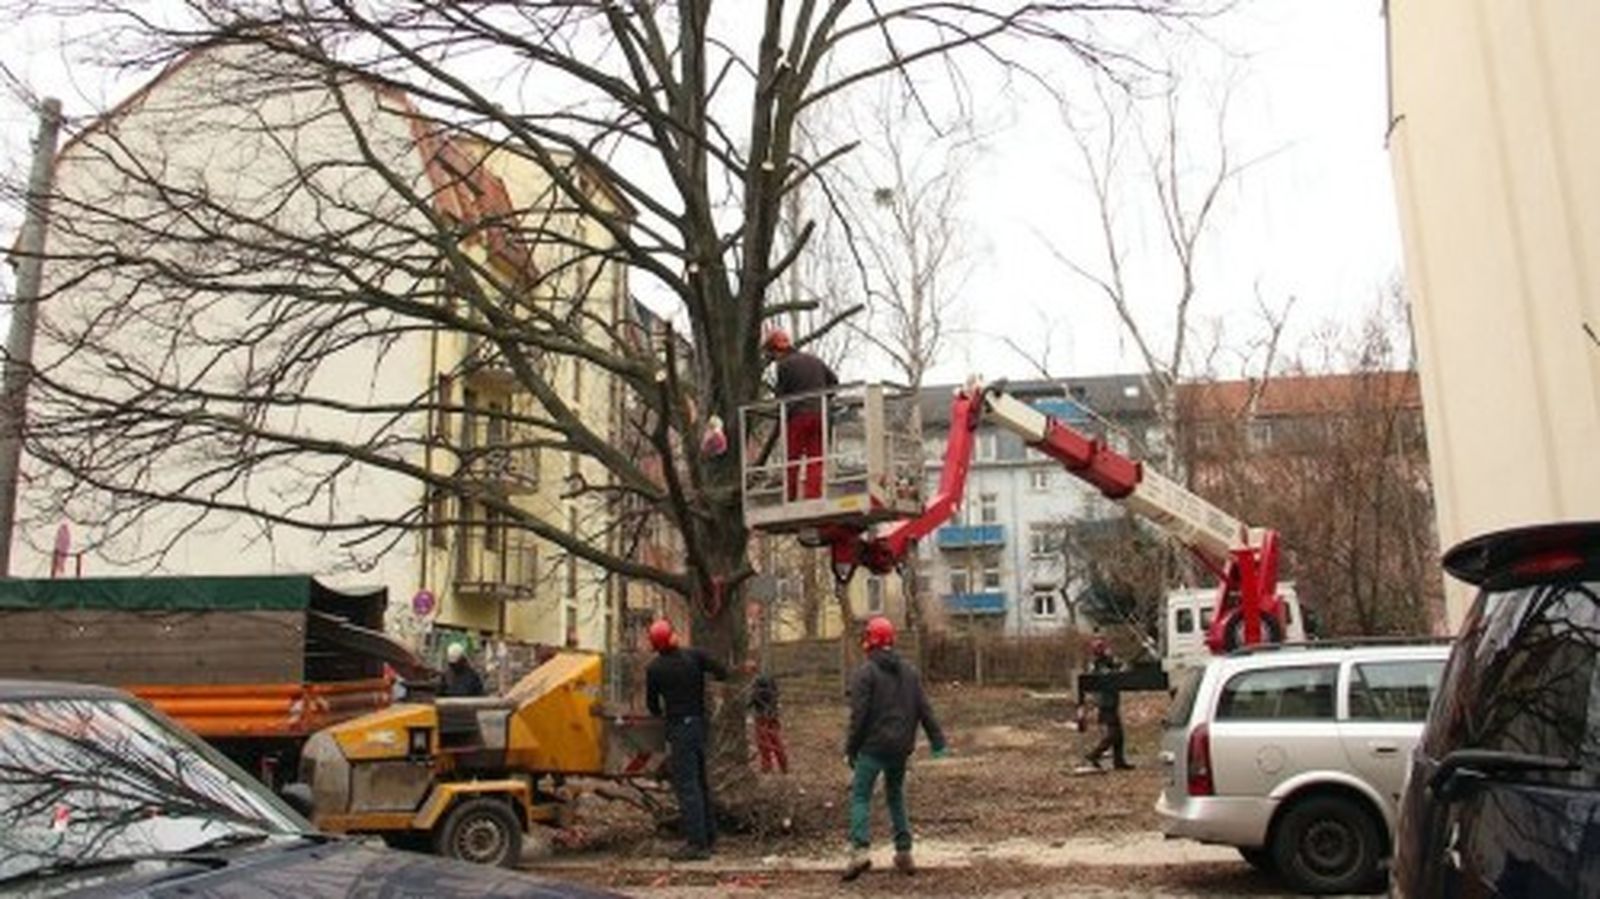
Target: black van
(1503, 797)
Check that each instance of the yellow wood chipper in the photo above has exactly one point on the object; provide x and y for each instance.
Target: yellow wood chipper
(467, 777)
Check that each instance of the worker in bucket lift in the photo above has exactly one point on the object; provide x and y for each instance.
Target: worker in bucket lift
(800, 372)
(1108, 703)
(886, 707)
(675, 689)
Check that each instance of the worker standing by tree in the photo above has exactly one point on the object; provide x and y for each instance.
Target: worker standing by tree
(460, 678)
(675, 689)
(1108, 703)
(886, 706)
(799, 373)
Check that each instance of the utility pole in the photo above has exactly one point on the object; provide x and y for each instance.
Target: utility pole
(24, 317)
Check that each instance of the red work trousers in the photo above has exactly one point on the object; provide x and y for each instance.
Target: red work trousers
(805, 449)
(769, 741)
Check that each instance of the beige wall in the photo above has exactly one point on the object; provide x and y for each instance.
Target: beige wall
(1494, 146)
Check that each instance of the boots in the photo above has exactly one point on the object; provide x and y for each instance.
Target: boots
(859, 864)
(903, 862)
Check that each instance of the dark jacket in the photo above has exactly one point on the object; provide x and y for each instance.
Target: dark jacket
(801, 372)
(764, 696)
(460, 679)
(1109, 701)
(675, 682)
(886, 705)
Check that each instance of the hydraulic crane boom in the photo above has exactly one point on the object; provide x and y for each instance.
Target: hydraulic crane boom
(1243, 558)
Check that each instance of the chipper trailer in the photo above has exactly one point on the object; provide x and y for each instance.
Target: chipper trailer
(467, 777)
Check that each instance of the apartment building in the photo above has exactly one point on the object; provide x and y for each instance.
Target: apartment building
(300, 165)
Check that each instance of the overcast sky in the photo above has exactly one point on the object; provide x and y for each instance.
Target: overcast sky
(1314, 219)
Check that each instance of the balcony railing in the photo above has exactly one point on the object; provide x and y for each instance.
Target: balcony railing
(503, 565)
(962, 536)
(987, 603)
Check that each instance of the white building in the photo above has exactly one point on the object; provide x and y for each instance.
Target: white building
(1493, 135)
(1000, 565)
(220, 134)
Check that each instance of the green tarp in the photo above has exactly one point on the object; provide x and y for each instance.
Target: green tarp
(287, 593)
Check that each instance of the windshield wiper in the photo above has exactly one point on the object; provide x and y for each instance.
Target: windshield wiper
(1466, 766)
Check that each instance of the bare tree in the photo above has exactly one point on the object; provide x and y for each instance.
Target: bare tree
(328, 179)
(1141, 163)
(1337, 462)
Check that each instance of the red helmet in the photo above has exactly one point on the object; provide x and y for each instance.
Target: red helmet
(661, 636)
(879, 633)
(1099, 646)
(777, 341)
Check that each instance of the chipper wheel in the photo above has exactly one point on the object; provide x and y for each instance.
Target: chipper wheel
(483, 831)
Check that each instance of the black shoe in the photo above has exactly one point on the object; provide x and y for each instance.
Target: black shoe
(859, 864)
(1124, 766)
(690, 854)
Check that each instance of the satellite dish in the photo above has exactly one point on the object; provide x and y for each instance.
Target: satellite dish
(63, 550)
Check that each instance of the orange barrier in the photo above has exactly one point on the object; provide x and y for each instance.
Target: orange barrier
(265, 710)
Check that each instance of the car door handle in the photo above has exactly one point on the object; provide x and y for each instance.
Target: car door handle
(1382, 747)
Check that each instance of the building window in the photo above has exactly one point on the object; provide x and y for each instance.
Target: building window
(874, 595)
(469, 418)
(1039, 480)
(1041, 541)
(1044, 603)
(959, 582)
(987, 446)
(491, 529)
(991, 577)
(439, 501)
(988, 508)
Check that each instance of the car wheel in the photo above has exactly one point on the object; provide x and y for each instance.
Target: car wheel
(482, 831)
(1326, 844)
(1260, 859)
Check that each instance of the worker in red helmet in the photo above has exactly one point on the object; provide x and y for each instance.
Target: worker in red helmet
(805, 378)
(675, 689)
(887, 705)
(1108, 703)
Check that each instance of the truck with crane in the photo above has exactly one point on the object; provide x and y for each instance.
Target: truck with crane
(870, 513)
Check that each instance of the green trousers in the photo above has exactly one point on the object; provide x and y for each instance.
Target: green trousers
(868, 767)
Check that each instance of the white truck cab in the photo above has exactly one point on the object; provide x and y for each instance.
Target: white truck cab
(1186, 616)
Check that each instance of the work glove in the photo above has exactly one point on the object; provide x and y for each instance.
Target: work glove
(940, 752)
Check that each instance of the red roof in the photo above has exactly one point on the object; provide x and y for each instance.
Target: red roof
(1299, 395)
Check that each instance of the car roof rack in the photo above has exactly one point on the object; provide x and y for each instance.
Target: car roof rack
(1343, 643)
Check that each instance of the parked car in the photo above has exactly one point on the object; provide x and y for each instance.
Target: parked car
(1296, 754)
(101, 795)
(1504, 794)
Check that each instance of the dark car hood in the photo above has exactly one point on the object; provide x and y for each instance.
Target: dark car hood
(333, 869)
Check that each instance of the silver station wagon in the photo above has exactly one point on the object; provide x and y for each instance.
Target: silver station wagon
(1297, 755)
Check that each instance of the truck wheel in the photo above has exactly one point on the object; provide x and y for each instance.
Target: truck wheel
(482, 831)
(1327, 844)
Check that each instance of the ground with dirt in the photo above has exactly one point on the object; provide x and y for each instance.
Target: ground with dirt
(1004, 814)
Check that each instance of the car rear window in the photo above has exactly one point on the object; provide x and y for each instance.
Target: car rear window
(1394, 691)
(1276, 694)
(1523, 677)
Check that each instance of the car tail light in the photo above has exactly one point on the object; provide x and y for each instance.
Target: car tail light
(1549, 562)
(1199, 766)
